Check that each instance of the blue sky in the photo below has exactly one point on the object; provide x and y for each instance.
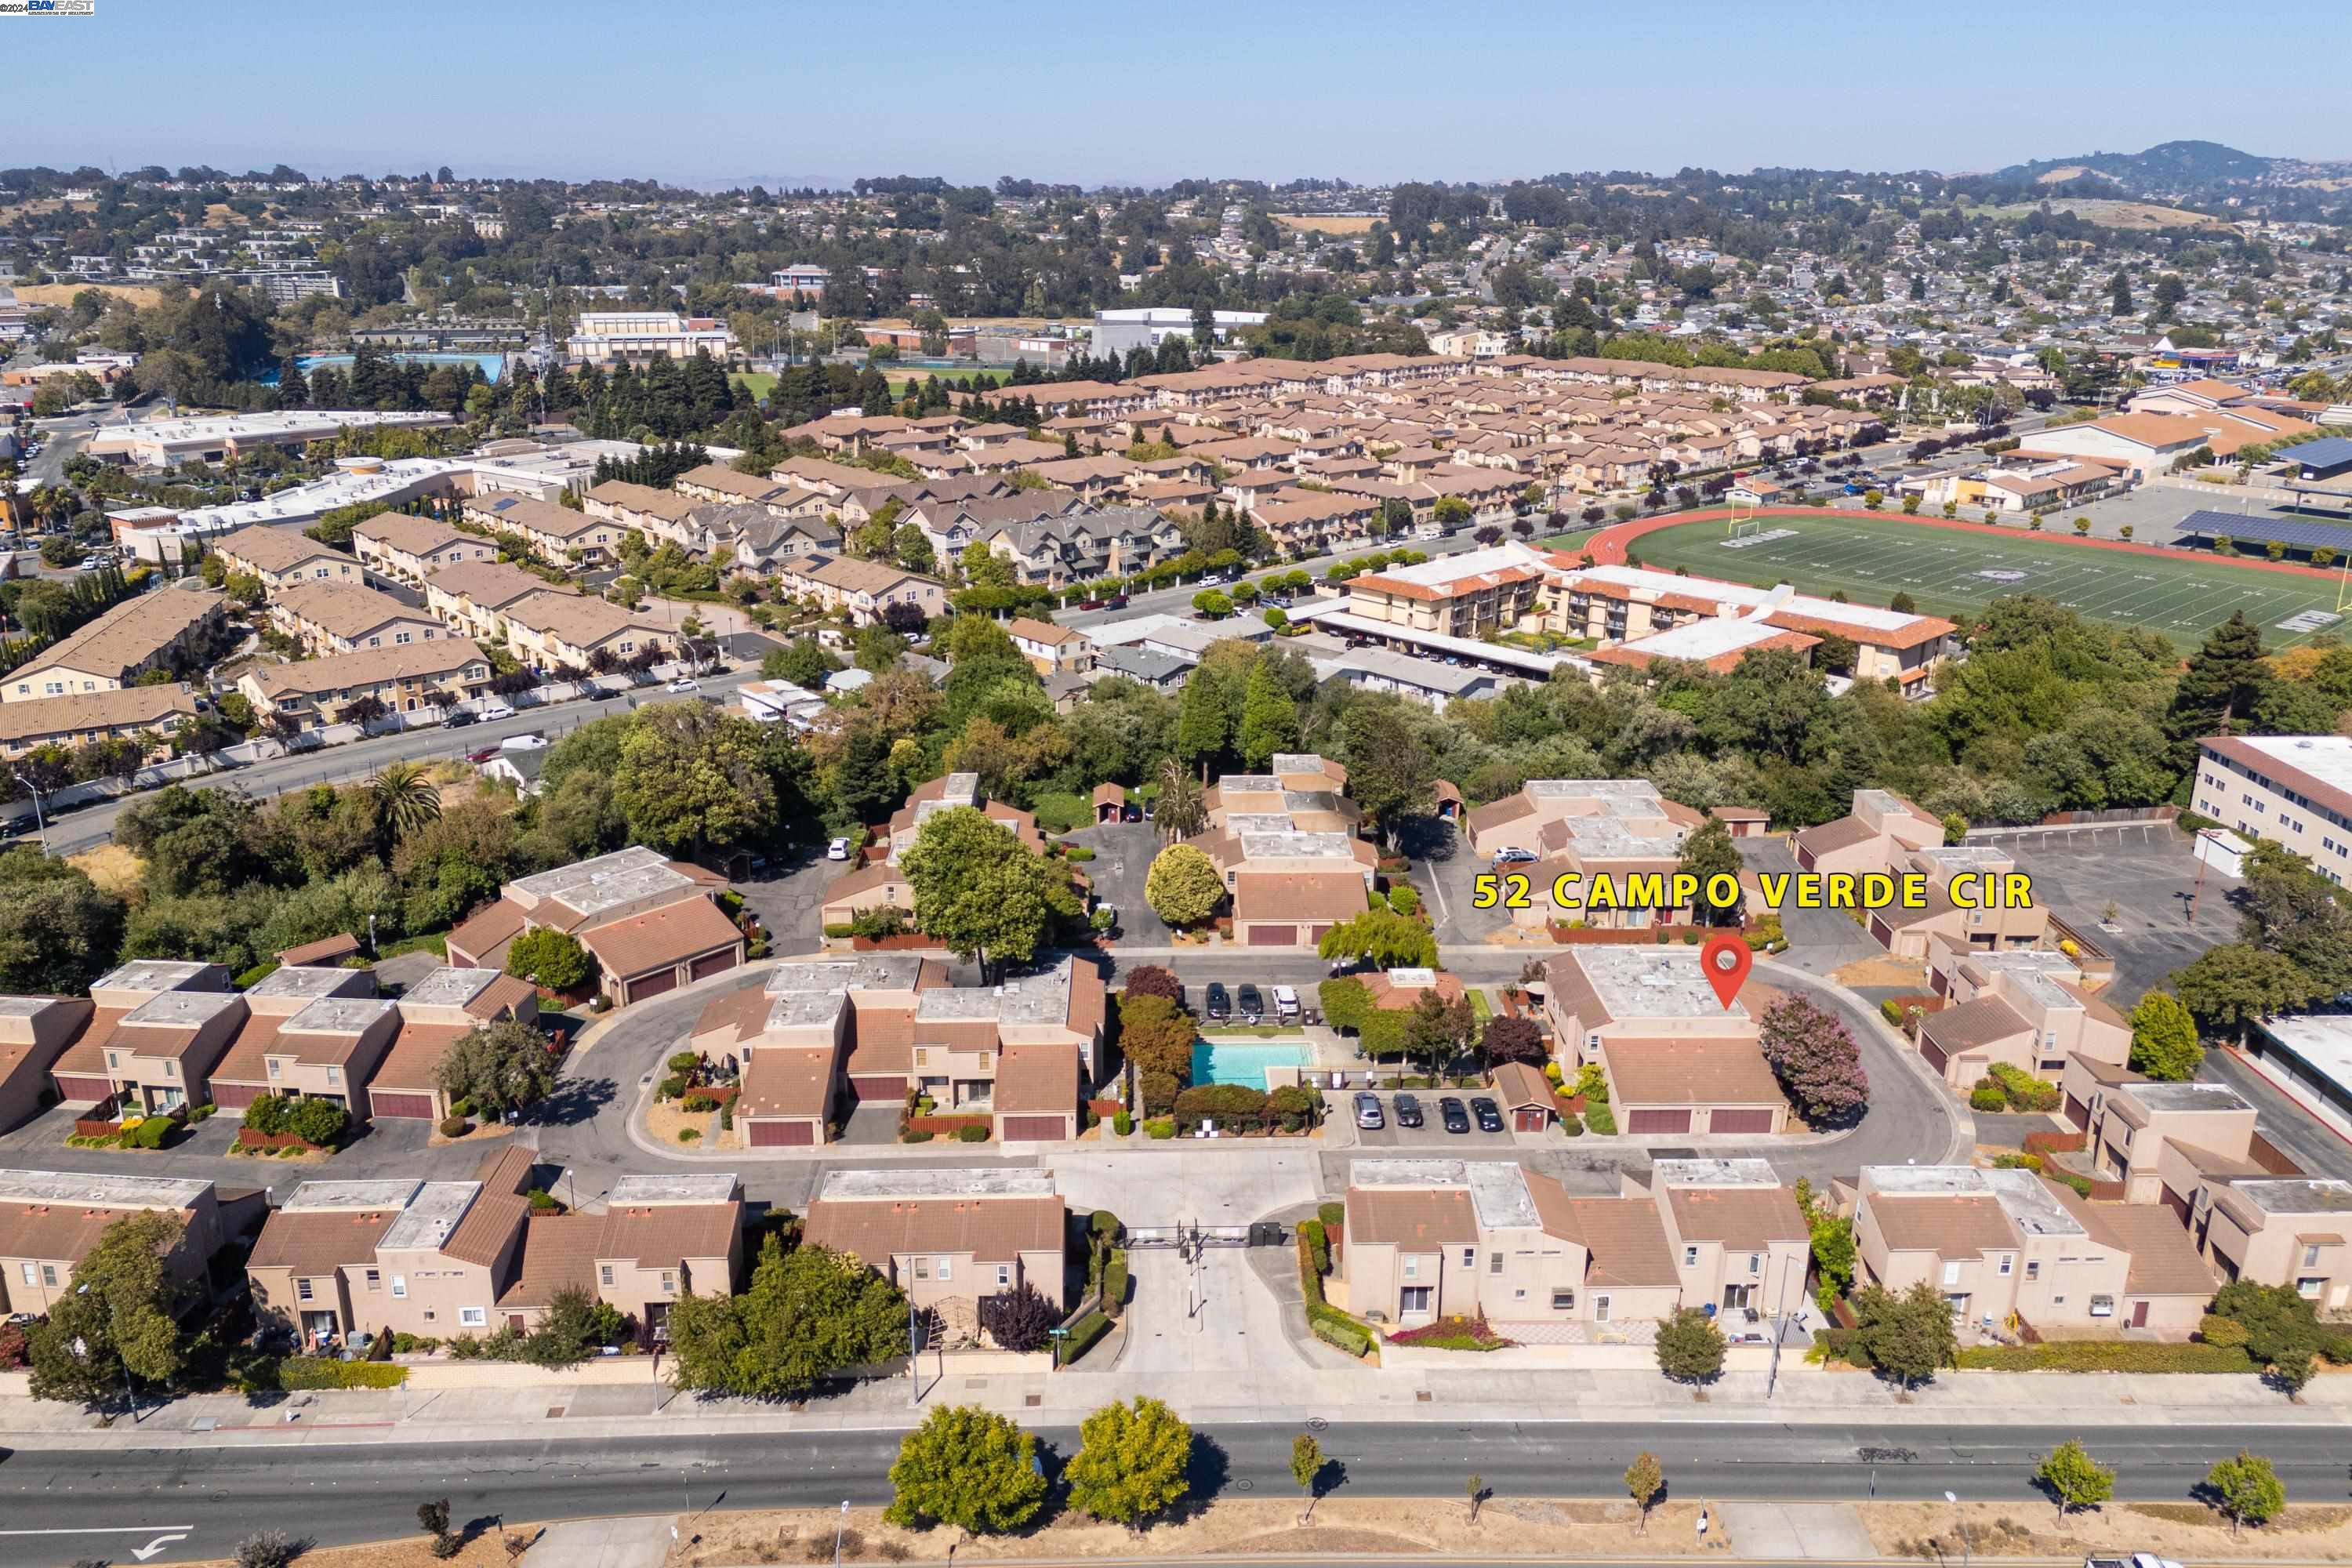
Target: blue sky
(717, 92)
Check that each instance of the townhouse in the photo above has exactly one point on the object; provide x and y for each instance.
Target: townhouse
(435, 1013)
(880, 884)
(51, 1219)
(653, 924)
(34, 1033)
(1585, 834)
(867, 589)
(660, 515)
(757, 541)
(552, 532)
(953, 523)
(1676, 1060)
(164, 629)
(949, 1238)
(280, 557)
(2282, 1231)
(312, 1034)
(467, 599)
(159, 1027)
(311, 693)
(821, 1035)
(2008, 1249)
(2027, 1010)
(455, 1259)
(1288, 885)
(1023, 1052)
(144, 712)
(1959, 909)
(343, 617)
(557, 629)
(399, 548)
(1080, 546)
(718, 482)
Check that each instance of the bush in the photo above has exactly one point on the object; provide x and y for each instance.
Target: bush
(1105, 1225)
(318, 1121)
(914, 1137)
(2024, 1091)
(1404, 899)
(267, 1114)
(1891, 1011)
(266, 1549)
(696, 1100)
(296, 1374)
(2107, 1355)
(684, 1062)
(2224, 1331)
(1986, 1096)
(1333, 1330)
(1318, 1246)
(690, 1135)
(1601, 1118)
(1083, 1335)
(454, 1126)
(148, 1134)
(1122, 1123)
(2017, 1163)
(1114, 1280)
(1161, 1127)
(670, 1088)
(1570, 1125)
(838, 929)
(971, 1134)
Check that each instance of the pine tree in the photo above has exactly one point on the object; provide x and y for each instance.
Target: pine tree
(1269, 717)
(2225, 681)
(293, 392)
(1202, 719)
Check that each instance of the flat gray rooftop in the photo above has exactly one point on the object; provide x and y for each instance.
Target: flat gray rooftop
(2317, 1194)
(323, 1198)
(1295, 846)
(801, 1009)
(936, 1182)
(1243, 822)
(448, 986)
(150, 975)
(867, 971)
(1249, 784)
(301, 981)
(1715, 1173)
(606, 880)
(1497, 1188)
(2186, 1095)
(183, 1009)
(698, 1187)
(1604, 790)
(24, 1006)
(1031, 999)
(2030, 1204)
(1652, 982)
(433, 1212)
(339, 1016)
(79, 1189)
(1297, 762)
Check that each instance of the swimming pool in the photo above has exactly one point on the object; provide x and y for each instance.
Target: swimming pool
(492, 366)
(1230, 1061)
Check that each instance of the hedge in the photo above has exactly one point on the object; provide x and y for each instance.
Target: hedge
(2107, 1355)
(299, 1373)
(1161, 1127)
(1333, 1330)
(1083, 1335)
(1318, 1246)
(1113, 1280)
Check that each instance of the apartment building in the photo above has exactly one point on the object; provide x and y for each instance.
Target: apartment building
(2293, 790)
(436, 1013)
(865, 588)
(1739, 1242)
(409, 549)
(1882, 830)
(34, 1032)
(879, 883)
(949, 1238)
(453, 1259)
(314, 1034)
(1051, 649)
(343, 617)
(157, 630)
(658, 514)
(280, 557)
(1304, 789)
(2025, 1009)
(2008, 1248)
(1022, 1052)
(1678, 1061)
(2281, 1231)
(718, 482)
(312, 692)
(555, 628)
(1959, 909)
(1288, 885)
(51, 1219)
(469, 599)
(161, 1024)
(555, 534)
(70, 721)
(653, 924)
(1467, 595)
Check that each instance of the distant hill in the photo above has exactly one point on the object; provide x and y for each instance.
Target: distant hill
(2170, 165)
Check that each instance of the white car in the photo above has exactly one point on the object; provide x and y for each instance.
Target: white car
(837, 850)
(683, 683)
(496, 711)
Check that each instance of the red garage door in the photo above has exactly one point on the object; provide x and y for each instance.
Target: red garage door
(1883, 932)
(1273, 936)
(85, 1087)
(235, 1096)
(1757, 1121)
(780, 1134)
(2176, 1202)
(1315, 933)
(1934, 1053)
(653, 984)
(1658, 1121)
(1530, 1118)
(1035, 1129)
(879, 1088)
(2078, 1113)
(390, 1103)
(714, 962)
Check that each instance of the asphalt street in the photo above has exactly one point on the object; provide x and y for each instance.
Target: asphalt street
(369, 1490)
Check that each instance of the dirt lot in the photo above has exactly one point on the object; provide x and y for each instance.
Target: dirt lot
(410, 1552)
(110, 865)
(138, 294)
(1506, 1527)
(2184, 1531)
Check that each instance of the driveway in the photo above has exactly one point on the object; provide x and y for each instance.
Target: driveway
(786, 896)
(1820, 940)
(1431, 1137)
(1123, 856)
(1445, 869)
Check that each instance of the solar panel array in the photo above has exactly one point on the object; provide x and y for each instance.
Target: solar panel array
(2327, 452)
(2295, 533)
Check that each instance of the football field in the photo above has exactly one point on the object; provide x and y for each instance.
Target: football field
(1954, 572)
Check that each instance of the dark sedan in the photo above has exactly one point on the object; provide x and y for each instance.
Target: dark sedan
(1490, 1116)
(1407, 1111)
(1220, 1006)
(1450, 1111)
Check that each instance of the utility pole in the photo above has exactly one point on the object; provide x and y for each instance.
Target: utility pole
(1780, 1329)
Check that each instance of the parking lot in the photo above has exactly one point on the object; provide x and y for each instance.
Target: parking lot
(1123, 854)
(2146, 877)
(1433, 1128)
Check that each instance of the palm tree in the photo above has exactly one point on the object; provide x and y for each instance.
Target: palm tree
(1180, 812)
(405, 798)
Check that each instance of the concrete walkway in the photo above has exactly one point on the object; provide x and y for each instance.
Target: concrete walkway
(642, 1541)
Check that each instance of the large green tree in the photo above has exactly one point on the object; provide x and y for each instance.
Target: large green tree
(1383, 938)
(1131, 1462)
(1707, 854)
(1907, 1337)
(1182, 887)
(692, 778)
(805, 1315)
(2164, 1042)
(2229, 986)
(1269, 717)
(968, 1467)
(2246, 1490)
(1201, 721)
(979, 889)
(117, 1318)
(502, 1066)
(2218, 693)
(1390, 774)
(2074, 1480)
(59, 930)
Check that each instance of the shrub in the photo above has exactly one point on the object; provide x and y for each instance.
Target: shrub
(1083, 1335)
(1571, 1124)
(2024, 1091)
(1986, 1096)
(670, 1088)
(1891, 1011)
(1318, 1246)
(2219, 1330)
(2081, 1184)
(1122, 1123)
(1404, 899)
(914, 1137)
(1601, 1118)
(2017, 1163)
(453, 1126)
(971, 1134)
(1105, 1225)
(318, 1121)
(696, 1100)
(1336, 1330)
(684, 1062)
(688, 1134)
(296, 1374)
(266, 1549)
(2107, 1355)
(838, 929)
(148, 1134)
(1161, 1127)
(267, 1114)
(1114, 1280)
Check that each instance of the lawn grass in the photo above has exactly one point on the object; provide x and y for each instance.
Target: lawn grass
(1871, 559)
(760, 381)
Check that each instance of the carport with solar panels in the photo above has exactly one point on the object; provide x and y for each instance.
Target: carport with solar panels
(2298, 534)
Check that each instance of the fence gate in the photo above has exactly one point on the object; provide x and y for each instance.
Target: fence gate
(1259, 1233)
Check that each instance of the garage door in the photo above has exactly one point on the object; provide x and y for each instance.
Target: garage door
(1273, 936)
(653, 984)
(1883, 932)
(1756, 1121)
(2078, 1113)
(781, 1134)
(2177, 1203)
(1315, 933)
(1658, 1121)
(1035, 1129)
(1530, 1118)
(1934, 1053)
(879, 1088)
(235, 1096)
(714, 962)
(85, 1087)
(390, 1103)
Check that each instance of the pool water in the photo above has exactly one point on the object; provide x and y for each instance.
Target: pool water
(1245, 1062)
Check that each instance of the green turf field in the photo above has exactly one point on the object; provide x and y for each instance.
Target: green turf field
(1944, 570)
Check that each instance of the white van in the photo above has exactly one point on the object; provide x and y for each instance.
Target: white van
(1285, 1004)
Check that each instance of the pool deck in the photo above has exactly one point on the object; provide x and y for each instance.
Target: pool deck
(1324, 1050)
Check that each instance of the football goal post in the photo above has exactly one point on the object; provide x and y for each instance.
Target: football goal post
(1745, 527)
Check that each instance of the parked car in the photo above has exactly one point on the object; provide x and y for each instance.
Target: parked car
(1450, 1111)
(1368, 1111)
(484, 755)
(1407, 1111)
(1490, 1116)
(458, 718)
(683, 683)
(1090, 604)
(496, 711)
(1253, 1005)
(1512, 855)
(1220, 1006)
(1116, 602)
(837, 850)
(1286, 1004)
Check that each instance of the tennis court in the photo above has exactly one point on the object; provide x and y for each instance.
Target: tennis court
(1953, 572)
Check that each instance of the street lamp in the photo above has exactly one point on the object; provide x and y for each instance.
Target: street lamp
(837, 1526)
(1966, 1551)
(35, 791)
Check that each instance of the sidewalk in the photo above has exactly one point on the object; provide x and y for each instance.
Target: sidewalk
(1283, 1394)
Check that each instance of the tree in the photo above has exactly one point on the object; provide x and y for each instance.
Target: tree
(1645, 1480)
(2224, 683)
(59, 930)
(1019, 1318)
(1156, 1034)
(1269, 717)
(1690, 1347)
(405, 799)
(978, 889)
(432, 1519)
(1389, 773)
(968, 1467)
(2164, 1043)
(1816, 1061)
(2245, 1491)
(1512, 1039)
(1306, 1470)
(2282, 1329)
(1202, 719)
(1475, 1485)
(501, 1066)
(2233, 984)
(2074, 1478)
(1181, 810)
(1152, 980)
(1131, 1462)
(691, 777)
(1907, 1337)
(1383, 938)
(803, 661)
(806, 1315)
(1707, 854)
(116, 1320)
(1183, 886)
(548, 957)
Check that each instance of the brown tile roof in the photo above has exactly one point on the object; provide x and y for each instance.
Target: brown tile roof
(1947, 1226)
(1686, 1070)
(668, 935)
(1037, 1080)
(1843, 833)
(1297, 895)
(129, 634)
(658, 1236)
(1518, 1084)
(317, 1243)
(502, 997)
(436, 660)
(744, 1012)
(1736, 1216)
(2164, 1261)
(1980, 1021)
(483, 931)
(1624, 1241)
(274, 549)
(1409, 1218)
(1496, 812)
(489, 585)
(30, 722)
(490, 1223)
(344, 609)
(327, 949)
(87, 1056)
(557, 1250)
(881, 1039)
(415, 1052)
(246, 1060)
(991, 1229)
(788, 1080)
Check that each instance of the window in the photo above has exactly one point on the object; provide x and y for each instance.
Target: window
(1563, 1301)
(605, 1273)
(1003, 1275)
(1414, 1298)
(302, 1290)
(2033, 1268)
(2103, 1306)
(50, 1275)
(1755, 1264)
(430, 1315)
(946, 1268)
(1601, 1309)
(273, 1065)
(669, 1281)
(171, 1070)
(1952, 1273)
(400, 1286)
(1469, 1257)
(473, 1317)
(923, 1268)
(2007, 1263)
(30, 1277)
(374, 1280)
(2307, 1287)
(1690, 1257)
(334, 1077)
(114, 1060)
(2057, 1300)
(1412, 1267)
(2310, 1255)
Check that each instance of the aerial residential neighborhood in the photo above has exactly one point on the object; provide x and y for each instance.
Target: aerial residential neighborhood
(711, 858)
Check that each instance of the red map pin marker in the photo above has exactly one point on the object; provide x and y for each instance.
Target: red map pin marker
(1727, 958)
